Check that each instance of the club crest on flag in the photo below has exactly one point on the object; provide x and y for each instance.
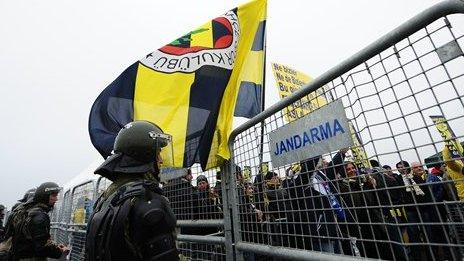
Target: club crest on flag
(214, 43)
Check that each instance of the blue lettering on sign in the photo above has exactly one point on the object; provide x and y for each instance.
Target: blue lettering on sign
(338, 127)
(282, 147)
(314, 133)
(325, 132)
(290, 144)
(306, 139)
(297, 140)
(320, 133)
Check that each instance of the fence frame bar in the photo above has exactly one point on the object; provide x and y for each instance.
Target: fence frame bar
(401, 32)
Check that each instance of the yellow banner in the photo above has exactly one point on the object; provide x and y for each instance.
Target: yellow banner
(359, 154)
(448, 136)
(289, 81)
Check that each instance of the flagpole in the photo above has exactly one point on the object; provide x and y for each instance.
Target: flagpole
(263, 99)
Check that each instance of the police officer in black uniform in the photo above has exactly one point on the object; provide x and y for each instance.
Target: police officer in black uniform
(30, 233)
(132, 220)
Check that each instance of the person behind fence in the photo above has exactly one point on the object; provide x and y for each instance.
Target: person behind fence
(390, 194)
(389, 172)
(180, 193)
(251, 219)
(260, 197)
(132, 219)
(438, 214)
(455, 170)
(30, 227)
(207, 206)
(250, 215)
(314, 206)
(275, 208)
(416, 195)
(291, 173)
(356, 196)
(275, 195)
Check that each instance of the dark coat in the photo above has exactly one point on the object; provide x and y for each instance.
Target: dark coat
(135, 222)
(311, 213)
(250, 226)
(31, 233)
(206, 206)
(411, 198)
(180, 193)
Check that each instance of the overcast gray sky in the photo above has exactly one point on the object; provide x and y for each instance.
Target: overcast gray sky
(57, 56)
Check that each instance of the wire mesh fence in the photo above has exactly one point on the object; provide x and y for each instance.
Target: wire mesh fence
(201, 251)
(395, 194)
(403, 200)
(197, 202)
(77, 240)
(72, 212)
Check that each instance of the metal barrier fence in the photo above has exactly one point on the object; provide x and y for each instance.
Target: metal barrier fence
(249, 210)
(196, 200)
(328, 205)
(71, 214)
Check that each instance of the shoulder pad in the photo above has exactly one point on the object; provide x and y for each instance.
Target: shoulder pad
(136, 189)
(129, 190)
(153, 186)
(35, 211)
(37, 215)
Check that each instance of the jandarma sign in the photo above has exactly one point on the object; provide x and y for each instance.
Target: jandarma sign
(323, 131)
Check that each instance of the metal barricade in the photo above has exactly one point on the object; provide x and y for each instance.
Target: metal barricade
(72, 214)
(77, 239)
(249, 210)
(196, 199)
(328, 205)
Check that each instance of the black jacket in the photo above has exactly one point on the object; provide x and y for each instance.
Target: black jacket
(133, 223)
(312, 213)
(250, 226)
(207, 206)
(410, 197)
(31, 233)
(180, 193)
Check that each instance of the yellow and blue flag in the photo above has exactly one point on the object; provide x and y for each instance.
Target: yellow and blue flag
(191, 88)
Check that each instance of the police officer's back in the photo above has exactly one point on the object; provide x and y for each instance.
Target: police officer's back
(132, 220)
(30, 223)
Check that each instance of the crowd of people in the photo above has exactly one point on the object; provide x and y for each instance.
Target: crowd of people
(400, 212)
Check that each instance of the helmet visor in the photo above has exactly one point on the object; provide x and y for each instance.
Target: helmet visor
(163, 142)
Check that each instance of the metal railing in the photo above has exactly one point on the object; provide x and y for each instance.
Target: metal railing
(388, 91)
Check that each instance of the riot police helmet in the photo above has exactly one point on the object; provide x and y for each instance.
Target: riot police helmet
(43, 192)
(138, 148)
(28, 195)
